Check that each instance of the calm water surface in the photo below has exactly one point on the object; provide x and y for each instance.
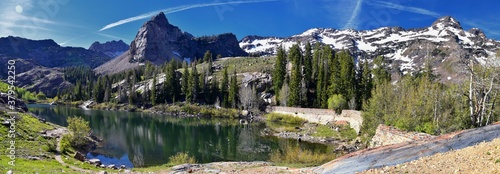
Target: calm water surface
(136, 139)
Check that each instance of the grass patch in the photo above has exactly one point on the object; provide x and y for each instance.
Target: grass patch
(284, 118)
(39, 166)
(324, 131)
(293, 155)
(30, 143)
(497, 161)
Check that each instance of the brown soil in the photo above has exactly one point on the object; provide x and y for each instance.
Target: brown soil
(482, 158)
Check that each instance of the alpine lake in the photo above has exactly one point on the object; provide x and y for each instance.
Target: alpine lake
(138, 139)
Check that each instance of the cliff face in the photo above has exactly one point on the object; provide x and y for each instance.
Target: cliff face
(158, 41)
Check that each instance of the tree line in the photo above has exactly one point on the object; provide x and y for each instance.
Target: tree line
(180, 81)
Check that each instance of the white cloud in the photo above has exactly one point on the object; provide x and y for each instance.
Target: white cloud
(175, 9)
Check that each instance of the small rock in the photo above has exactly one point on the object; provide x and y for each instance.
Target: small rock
(111, 166)
(10, 172)
(34, 158)
(95, 161)
(102, 172)
(79, 156)
(181, 167)
(123, 167)
(102, 166)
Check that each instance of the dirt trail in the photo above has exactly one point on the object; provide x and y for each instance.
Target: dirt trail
(58, 157)
(400, 153)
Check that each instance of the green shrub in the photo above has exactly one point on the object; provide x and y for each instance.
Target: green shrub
(337, 103)
(428, 128)
(65, 144)
(348, 133)
(80, 129)
(181, 158)
(41, 96)
(284, 118)
(51, 146)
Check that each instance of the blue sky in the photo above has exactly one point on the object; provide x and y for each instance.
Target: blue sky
(80, 23)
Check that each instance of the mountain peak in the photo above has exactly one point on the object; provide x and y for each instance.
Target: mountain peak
(159, 19)
(447, 21)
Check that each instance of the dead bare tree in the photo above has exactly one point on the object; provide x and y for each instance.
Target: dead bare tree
(484, 85)
(248, 97)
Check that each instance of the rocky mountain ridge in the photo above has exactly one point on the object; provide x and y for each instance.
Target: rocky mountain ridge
(110, 48)
(445, 44)
(48, 53)
(158, 41)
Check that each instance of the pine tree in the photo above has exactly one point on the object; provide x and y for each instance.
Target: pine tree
(193, 84)
(214, 90)
(347, 76)
(78, 90)
(295, 56)
(153, 91)
(132, 93)
(209, 70)
(233, 91)
(208, 56)
(366, 84)
(308, 65)
(279, 72)
(107, 89)
(224, 89)
(335, 80)
(380, 73)
(185, 80)
(203, 85)
(316, 61)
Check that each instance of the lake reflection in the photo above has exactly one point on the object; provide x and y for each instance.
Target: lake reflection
(136, 139)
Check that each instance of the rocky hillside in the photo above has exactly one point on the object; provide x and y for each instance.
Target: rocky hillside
(159, 41)
(445, 44)
(110, 48)
(48, 53)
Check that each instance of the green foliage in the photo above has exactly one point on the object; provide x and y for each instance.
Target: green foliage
(41, 96)
(181, 158)
(233, 91)
(185, 80)
(293, 154)
(295, 56)
(224, 89)
(79, 129)
(284, 118)
(323, 131)
(65, 144)
(347, 75)
(380, 71)
(279, 70)
(193, 85)
(207, 57)
(415, 104)
(337, 102)
(153, 91)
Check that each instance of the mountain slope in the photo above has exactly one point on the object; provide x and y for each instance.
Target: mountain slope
(110, 48)
(444, 42)
(158, 41)
(48, 53)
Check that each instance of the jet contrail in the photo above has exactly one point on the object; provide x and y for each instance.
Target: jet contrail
(406, 8)
(352, 22)
(175, 9)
